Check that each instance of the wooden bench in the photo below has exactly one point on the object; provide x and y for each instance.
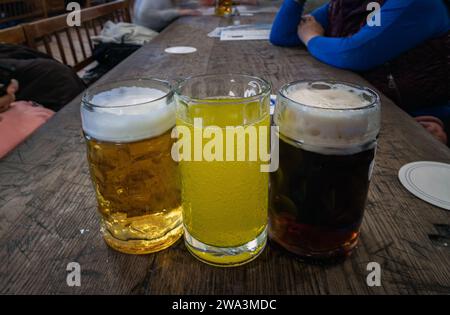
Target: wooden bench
(52, 7)
(12, 10)
(27, 10)
(13, 35)
(70, 45)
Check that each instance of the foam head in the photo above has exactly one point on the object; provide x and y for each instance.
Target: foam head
(127, 113)
(328, 117)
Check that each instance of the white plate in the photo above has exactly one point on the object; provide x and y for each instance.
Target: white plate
(181, 50)
(429, 181)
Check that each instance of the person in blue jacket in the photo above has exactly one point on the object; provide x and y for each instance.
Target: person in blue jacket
(406, 56)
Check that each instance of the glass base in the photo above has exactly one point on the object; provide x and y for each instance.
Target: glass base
(142, 247)
(226, 256)
(330, 256)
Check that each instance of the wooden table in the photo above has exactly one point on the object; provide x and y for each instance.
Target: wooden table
(48, 208)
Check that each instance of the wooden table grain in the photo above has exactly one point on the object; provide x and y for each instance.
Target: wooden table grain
(48, 209)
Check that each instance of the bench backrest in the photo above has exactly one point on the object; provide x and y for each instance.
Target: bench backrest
(73, 45)
(13, 35)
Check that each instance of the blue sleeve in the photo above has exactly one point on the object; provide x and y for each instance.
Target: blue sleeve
(284, 28)
(404, 25)
(321, 15)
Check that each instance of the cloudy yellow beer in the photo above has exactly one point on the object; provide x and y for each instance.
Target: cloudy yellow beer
(225, 202)
(135, 178)
(224, 194)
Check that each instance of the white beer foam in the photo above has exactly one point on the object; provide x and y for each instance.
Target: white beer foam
(334, 121)
(115, 120)
(338, 96)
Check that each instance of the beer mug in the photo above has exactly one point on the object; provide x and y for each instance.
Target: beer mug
(223, 126)
(224, 7)
(328, 136)
(127, 126)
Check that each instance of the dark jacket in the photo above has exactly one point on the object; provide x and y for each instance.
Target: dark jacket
(416, 79)
(41, 78)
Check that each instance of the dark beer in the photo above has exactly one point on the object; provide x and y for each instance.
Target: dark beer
(318, 200)
(326, 153)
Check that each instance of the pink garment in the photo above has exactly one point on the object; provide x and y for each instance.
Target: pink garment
(19, 122)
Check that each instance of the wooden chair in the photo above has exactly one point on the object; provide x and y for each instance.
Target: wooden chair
(20, 10)
(73, 45)
(28, 10)
(52, 7)
(13, 35)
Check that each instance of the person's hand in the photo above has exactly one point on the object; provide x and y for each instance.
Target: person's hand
(309, 28)
(10, 96)
(189, 12)
(434, 126)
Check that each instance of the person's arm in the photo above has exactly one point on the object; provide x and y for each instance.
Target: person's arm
(157, 19)
(284, 28)
(9, 97)
(433, 125)
(157, 14)
(404, 25)
(321, 15)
